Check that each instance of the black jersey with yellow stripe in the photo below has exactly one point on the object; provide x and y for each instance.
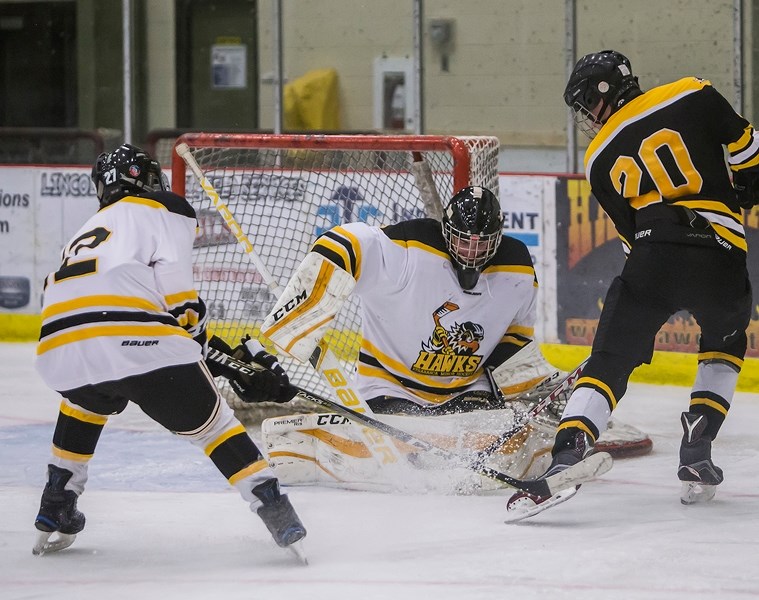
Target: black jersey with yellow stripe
(667, 147)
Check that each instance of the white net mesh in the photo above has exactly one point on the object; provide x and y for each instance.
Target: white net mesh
(284, 191)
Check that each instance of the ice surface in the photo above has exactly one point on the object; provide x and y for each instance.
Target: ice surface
(162, 523)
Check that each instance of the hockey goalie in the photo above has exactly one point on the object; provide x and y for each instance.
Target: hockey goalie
(442, 307)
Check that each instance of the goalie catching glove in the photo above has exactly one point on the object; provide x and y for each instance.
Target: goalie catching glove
(267, 385)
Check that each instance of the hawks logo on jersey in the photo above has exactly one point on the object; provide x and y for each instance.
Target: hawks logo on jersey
(452, 351)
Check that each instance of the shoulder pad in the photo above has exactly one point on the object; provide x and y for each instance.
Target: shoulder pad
(512, 252)
(172, 202)
(425, 231)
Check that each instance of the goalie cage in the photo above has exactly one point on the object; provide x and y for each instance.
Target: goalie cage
(284, 191)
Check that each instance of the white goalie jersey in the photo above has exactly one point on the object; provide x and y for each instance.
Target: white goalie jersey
(426, 339)
(123, 301)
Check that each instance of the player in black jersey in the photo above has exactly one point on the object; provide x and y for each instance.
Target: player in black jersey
(656, 164)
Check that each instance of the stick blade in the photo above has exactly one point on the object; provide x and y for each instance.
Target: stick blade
(585, 470)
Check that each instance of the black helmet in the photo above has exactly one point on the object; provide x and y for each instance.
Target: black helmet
(472, 228)
(599, 81)
(126, 170)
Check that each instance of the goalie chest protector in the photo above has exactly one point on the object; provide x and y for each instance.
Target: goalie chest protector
(424, 337)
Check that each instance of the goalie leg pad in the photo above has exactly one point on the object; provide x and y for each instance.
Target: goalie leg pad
(312, 298)
(321, 449)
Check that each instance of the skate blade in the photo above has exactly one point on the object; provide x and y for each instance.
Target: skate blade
(297, 550)
(519, 514)
(45, 545)
(694, 492)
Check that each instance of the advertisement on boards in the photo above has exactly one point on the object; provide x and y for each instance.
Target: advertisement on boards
(589, 256)
(40, 208)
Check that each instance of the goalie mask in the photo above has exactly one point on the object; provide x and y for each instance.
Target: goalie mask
(600, 84)
(472, 228)
(126, 170)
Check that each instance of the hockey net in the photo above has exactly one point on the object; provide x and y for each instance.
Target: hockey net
(284, 191)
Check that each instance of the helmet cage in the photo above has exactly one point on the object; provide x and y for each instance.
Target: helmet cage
(586, 121)
(482, 246)
(472, 227)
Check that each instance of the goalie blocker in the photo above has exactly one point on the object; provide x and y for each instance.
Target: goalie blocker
(312, 298)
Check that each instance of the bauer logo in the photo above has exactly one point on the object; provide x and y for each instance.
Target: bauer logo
(139, 343)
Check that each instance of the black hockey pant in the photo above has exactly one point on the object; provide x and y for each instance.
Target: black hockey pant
(658, 280)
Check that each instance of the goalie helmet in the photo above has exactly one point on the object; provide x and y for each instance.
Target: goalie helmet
(126, 170)
(600, 84)
(472, 228)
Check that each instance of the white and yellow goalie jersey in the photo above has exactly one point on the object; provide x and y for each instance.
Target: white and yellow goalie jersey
(424, 337)
(123, 301)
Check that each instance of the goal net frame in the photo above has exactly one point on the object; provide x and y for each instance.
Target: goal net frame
(341, 161)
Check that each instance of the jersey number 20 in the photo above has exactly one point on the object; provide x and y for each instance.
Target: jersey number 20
(626, 175)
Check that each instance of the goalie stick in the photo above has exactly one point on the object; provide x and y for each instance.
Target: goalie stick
(543, 400)
(425, 183)
(324, 360)
(586, 469)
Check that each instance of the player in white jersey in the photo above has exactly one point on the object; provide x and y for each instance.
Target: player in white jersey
(439, 305)
(122, 321)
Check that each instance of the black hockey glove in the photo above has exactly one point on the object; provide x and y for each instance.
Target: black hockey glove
(271, 385)
(746, 189)
(260, 386)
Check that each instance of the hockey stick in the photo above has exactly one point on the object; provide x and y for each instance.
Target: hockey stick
(563, 385)
(441, 312)
(324, 360)
(595, 464)
(422, 172)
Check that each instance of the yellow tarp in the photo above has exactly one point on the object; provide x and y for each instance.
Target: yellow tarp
(311, 102)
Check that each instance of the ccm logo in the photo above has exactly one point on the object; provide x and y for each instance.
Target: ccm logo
(642, 234)
(331, 420)
(290, 305)
(139, 343)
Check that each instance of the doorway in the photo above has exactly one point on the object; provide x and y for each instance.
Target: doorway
(38, 74)
(217, 65)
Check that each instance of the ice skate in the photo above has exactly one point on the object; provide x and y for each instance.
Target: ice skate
(700, 476)
(57, 515)
(523, 505)
(280, 518)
